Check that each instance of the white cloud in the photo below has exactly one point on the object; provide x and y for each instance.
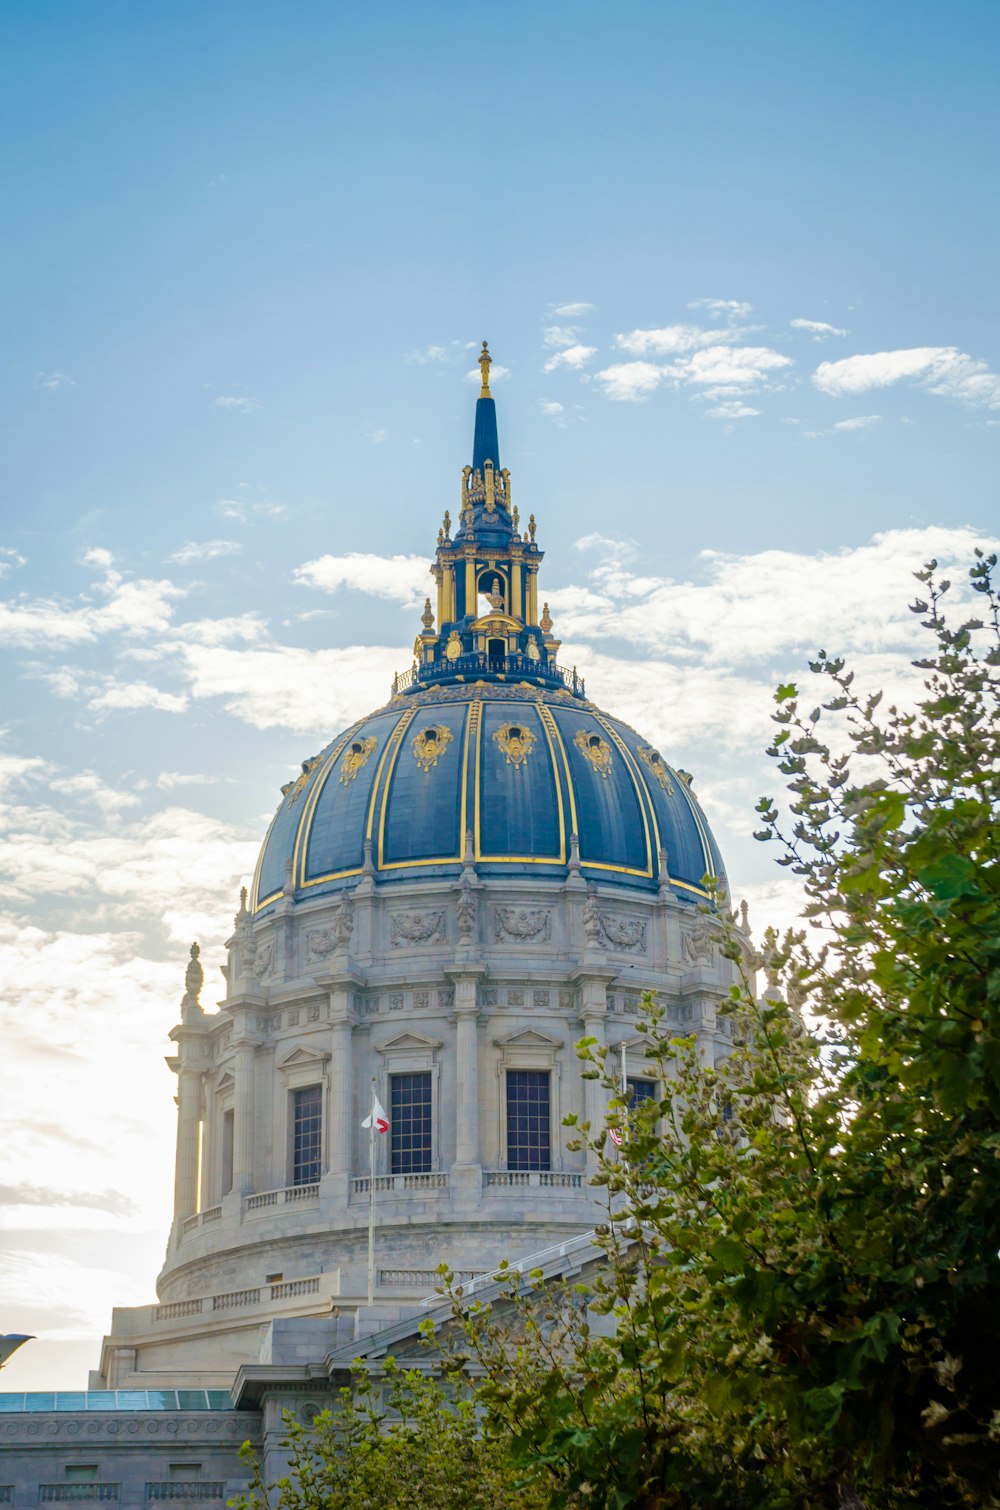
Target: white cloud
(89, 784)
(740, 366)
(118, 695)
(138, 608)
(246, 627)
(552, 409)
(731, 409)
(205, 550)
(53, 380)
(850, 599)
(236, 403)
(630, 381)
(730, 309)
(401, 579)
(860, 422)
(670, 339)
(285, 687)
(242, 513)
(941, 369)
(16, 767)
(378, 437)
(818, 329)
(429, 354)
(574, 356)
(722, 370)
(10, 558)
(571, 311)
(560, 335)
(168, 780)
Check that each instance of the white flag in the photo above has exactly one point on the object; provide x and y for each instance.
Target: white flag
(377, 1117)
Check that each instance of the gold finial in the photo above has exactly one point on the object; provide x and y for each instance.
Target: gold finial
(545, 622)
(447, 524)
(532, 526)
(515, 519)
(485, 362)
(427, 618)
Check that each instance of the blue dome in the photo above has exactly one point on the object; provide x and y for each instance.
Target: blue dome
(516, 769)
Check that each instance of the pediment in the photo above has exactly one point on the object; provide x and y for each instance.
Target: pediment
(301, 1055)
(403, 1041)
(635, 1051)
(497, 623)
(528, 1038)
(226, 1081)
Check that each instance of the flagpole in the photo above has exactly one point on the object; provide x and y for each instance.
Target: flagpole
(371, 1202)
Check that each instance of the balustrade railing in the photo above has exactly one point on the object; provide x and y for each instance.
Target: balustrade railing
(477, 664)
(538, 1179)
(388, 1183)
(186, 1489)
(51, 1493)
(287, 1196)
(201, 1219)
(285, 1289)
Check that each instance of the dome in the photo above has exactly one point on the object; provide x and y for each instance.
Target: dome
(503, 775)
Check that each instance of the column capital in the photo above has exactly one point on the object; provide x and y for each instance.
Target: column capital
(585, 974)
(458, 972)
(343, 980)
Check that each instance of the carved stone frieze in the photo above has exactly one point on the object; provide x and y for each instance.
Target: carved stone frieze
(320, 944)
(416, 928)
(698, 943)
(524, 924)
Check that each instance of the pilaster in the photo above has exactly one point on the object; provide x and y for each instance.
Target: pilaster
(467, 1171)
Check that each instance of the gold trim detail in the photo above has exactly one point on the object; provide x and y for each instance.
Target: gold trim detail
(656, 763)
(430, 744)
(596, 750)
(357, 756)
(516, 742)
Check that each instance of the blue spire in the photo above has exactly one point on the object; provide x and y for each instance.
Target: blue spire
(485, 445)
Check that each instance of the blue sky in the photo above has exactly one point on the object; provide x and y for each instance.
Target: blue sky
(739, 263)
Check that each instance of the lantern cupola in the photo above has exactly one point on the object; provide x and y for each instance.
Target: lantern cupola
(487, 624)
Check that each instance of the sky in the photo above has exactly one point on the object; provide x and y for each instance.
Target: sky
(737, 267)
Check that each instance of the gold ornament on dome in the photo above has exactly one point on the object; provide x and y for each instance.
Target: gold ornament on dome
(656, 763)
(453, 649)
(430, 744)
(516, 742)
(293, 789)
(596, 750)
(532, 651)
(357, 756)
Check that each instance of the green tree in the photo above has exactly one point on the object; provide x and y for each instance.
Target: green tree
(798, 1306)
(801, 1242)
(416, 1447)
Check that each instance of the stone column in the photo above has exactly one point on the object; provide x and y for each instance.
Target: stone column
(341, 1091)
(593, 1014)
(471, 602)
(532, 613)
(188, 1123)
(243, 1127)
(467, 1075)
(466, 1172)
